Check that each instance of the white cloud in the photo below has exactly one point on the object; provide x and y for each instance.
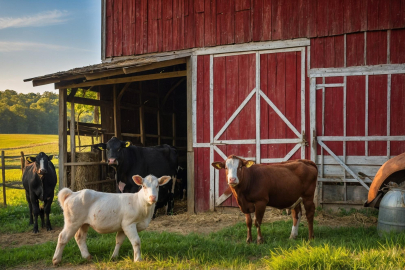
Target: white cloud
(40, 19)
(6, 46)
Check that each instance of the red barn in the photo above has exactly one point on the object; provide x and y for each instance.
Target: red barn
(268, 80)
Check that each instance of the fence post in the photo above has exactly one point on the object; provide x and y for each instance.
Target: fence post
(3, 172)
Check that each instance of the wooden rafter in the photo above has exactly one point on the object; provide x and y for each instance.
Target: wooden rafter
(149, 77)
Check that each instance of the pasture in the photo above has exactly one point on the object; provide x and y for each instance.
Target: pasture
(344, 240)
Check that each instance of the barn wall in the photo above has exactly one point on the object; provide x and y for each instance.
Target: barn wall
(148, 26)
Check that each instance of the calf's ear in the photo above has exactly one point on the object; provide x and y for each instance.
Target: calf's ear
(138, 180)
(164, 180)
(50, 157)
(30, 159)
(248, 163)
(218, 165)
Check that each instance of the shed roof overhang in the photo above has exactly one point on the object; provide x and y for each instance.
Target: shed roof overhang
(95, 74)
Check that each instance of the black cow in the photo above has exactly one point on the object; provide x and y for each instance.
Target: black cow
(39, 180)
(132, 160)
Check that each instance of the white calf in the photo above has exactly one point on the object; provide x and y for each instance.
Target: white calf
(126, 214)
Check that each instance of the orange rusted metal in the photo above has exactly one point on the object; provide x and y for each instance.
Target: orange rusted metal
(384, 175)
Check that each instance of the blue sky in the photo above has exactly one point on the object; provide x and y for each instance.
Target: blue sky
(39, 37)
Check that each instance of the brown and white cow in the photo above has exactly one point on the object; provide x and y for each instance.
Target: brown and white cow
(280, 186)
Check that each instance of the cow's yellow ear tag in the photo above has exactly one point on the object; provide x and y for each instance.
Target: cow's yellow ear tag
(249, 163)
(128, 144)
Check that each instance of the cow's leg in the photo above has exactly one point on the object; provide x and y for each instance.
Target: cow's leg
(41, 215)
(47, 209)
(27, 197)
(118, 242)
(249, 228)
(35, 209)
(133, 237)
(310, 212)
(260, 208)
(296, 215)
(80, 237)
(65, 235)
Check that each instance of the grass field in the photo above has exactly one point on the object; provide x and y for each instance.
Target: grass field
(333, 247)
(13, 144)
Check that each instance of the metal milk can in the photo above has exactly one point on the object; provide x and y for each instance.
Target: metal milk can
(391, 216)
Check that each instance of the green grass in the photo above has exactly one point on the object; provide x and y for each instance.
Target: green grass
(333, 248)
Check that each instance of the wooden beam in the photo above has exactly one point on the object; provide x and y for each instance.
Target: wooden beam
(141, 119)
(72, 145)
(92, 102)
(117, 114)
(71, 95)
(169, 63)
(62, 131)
(98, 75)
(149, 77)
(122, 92)
(3, 175)
(39, 82)
(190, 150)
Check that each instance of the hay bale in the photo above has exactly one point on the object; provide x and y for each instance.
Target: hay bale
(84, 174)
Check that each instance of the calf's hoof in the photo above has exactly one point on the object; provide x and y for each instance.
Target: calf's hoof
(260, 241)
(248, 240)
(35, 230)
(55, 262)
(89, 258)
(49, 228)
(292, 237)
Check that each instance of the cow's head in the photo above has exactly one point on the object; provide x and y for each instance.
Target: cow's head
(233, 165)
(150, 186)
(113, 147)
(41, 162)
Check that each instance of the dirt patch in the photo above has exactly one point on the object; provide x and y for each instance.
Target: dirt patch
(29, 238)
(203, 223)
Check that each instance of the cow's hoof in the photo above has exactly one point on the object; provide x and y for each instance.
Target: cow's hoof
(89, 258)
(292, 237)
(259, 241)
(49, 228)
(248, 240)
(35, 231)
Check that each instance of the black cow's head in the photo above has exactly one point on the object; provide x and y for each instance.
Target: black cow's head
(41, 163)
(113, 147)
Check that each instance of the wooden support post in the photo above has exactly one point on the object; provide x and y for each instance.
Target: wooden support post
(191, 62)
(62, 131)
(141, 117)
(72, 145)
(158, 126)
(142, 125)
(117, 114)
(174, 128)
(3, 174)
(22, 162)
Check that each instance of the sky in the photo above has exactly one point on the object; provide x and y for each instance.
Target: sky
(39, 37)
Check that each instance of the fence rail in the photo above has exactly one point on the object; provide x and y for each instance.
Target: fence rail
(13, 184)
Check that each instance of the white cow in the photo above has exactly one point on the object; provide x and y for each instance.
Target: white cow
(126, 214)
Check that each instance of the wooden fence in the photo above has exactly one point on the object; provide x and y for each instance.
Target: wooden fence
(13, 184)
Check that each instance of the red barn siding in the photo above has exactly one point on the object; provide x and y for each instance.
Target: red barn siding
(397, 112)
(377, 113)
(179, 24)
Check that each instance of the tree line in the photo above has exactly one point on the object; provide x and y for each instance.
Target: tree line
(36, 113)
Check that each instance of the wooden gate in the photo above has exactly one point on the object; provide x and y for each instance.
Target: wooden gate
(356, 121)
(251, 104)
